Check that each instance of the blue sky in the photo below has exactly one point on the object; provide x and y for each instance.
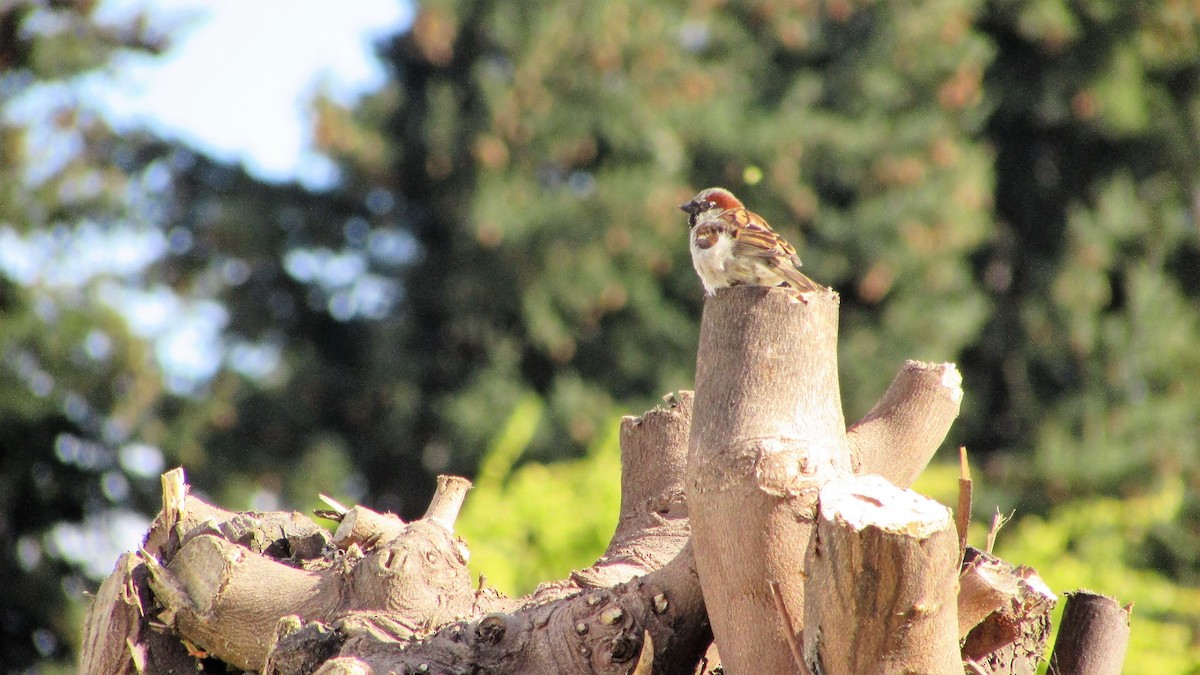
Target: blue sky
(235, 84)
(238, 78)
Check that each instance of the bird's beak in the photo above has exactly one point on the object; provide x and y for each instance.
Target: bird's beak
(690, 208)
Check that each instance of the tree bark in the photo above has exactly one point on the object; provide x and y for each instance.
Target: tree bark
(1093, 636)
(985, 585)
(738, 507)
(881, 582)
(653, 524)
(1011, 639)
(900, 433)
(768, 434)
(257, 592)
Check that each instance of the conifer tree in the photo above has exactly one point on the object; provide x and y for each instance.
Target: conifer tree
(1088, 371)
(76, 387)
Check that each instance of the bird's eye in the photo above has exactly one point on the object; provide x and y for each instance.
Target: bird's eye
(708, 204)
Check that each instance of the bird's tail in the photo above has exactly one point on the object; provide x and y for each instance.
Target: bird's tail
(797, 279)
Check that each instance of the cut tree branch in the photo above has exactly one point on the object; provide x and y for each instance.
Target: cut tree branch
(881, 582)
(570, 626)
(595, 631)
(271, 591)
(447, 501)
(801, 564)
(653, 524)
(900, 434)
(1012, 639)
(768, 434)
(984, 586)
(1093, 636)
(365, 528)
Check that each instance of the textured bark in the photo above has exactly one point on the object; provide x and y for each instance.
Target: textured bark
(768, 432)
(719, 504)
(365, 528)
(596, 631)
(1093, 636)
(227, 600)
(984, 586)
(273, 592)
(115, 635)
(881, 582)
(584, 624)
(653, 525)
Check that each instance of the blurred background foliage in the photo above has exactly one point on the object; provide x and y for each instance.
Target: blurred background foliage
(500, 271)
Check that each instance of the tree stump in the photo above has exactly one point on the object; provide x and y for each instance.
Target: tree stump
(749, 511)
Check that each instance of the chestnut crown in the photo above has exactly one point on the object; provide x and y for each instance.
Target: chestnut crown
(711, 199)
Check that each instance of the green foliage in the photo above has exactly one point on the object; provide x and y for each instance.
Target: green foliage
(1086, 356)
(535, 523)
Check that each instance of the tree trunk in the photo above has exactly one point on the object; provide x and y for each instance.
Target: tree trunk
(769, 433)
(881, 582)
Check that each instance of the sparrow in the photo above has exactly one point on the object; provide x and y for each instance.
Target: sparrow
(733, 246)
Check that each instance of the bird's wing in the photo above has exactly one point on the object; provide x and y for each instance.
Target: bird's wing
(756, 238)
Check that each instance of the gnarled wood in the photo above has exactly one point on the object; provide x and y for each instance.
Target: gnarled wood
(653, 525)
(574, 626)
(864, 580)
(1013, 638)
(592, 631)
(272, 591)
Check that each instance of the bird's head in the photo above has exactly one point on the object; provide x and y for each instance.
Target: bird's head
(711, 201)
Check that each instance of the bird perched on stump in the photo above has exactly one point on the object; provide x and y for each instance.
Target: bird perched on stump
(733, 246)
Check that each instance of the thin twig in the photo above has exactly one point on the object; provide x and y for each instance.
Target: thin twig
(998, 521)
(797, 656)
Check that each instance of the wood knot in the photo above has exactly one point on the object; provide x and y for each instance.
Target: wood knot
(622, 649)
(491, 629)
